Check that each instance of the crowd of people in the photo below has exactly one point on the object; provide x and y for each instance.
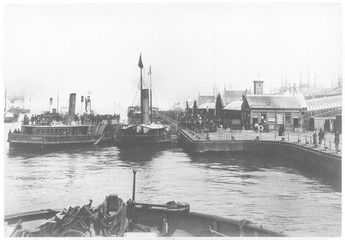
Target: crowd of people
(198, 122)
(84, 119)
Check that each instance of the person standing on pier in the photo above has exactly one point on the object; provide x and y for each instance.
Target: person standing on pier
(320, 136)
(315, 138)
(336, 140)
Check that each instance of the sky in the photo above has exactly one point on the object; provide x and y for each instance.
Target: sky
(58, 49)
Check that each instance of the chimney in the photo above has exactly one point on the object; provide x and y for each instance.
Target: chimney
(71, 111)
(145, 113)
(258, 87)
(51, 105)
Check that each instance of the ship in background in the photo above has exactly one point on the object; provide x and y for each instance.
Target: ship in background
(141, 129)
(14, 107)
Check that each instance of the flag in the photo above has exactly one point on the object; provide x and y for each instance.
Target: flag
(149, 73)
(82, 98)
(140, 64)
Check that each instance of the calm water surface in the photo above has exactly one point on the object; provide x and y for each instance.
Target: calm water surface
(268, 191)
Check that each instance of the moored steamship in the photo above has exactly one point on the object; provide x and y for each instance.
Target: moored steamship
(145, 133)
(57, 134)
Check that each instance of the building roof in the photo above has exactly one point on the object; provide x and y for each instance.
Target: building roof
(207, 105)
(317, 104)
(204, 99)
(293, 92)
(316, 93)
(330, 114)
(273, 101)
(233, 93)
(234, 106)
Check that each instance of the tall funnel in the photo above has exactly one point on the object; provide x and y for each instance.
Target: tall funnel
(145, 107)
(71, 111)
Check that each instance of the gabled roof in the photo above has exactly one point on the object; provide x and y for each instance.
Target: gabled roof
(207, 105)
(233, 93)
(317, 104)
(235, 105)
(273, 101)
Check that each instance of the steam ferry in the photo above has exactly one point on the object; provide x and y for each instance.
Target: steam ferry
(48, 134)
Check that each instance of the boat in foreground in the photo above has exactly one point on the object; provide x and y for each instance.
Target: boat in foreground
(132, 219)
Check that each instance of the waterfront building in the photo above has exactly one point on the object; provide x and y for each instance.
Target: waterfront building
(207, 109)
(233, 113)
(274, 111)
(324, 113)
(232, 101)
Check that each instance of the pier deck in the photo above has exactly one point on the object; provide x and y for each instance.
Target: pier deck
(306, 138)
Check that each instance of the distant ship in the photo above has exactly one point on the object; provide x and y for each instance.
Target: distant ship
(143, 132)
(12, 114)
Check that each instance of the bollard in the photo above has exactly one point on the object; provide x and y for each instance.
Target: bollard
(324, 144)
(257, 138)
(283, 139)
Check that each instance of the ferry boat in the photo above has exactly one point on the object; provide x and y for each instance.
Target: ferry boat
(54, 134)
(114, 218)
(144, 133)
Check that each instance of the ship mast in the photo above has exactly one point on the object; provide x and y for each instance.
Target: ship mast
(151, 110)
(5, 99)
(140, 64)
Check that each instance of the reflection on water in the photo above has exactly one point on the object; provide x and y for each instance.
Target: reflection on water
(268, 191)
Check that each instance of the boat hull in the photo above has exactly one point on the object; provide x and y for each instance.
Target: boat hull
(179, 222)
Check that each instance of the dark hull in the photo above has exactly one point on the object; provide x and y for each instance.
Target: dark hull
(61, 145)
(181, 222)
(144, 141)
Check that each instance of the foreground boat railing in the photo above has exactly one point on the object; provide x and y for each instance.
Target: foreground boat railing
(116, 218)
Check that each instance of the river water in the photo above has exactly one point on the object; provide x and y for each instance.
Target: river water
(268, 191)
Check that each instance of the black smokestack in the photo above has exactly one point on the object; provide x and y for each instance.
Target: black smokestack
(145, 107)
(72, 99)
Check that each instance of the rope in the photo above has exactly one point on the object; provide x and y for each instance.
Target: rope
(242, 223)
(113, 224)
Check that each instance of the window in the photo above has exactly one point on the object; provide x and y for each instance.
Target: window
(287, 118)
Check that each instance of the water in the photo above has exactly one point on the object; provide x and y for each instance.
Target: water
(271, 192)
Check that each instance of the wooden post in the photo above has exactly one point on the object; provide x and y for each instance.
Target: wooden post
(133, 191)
